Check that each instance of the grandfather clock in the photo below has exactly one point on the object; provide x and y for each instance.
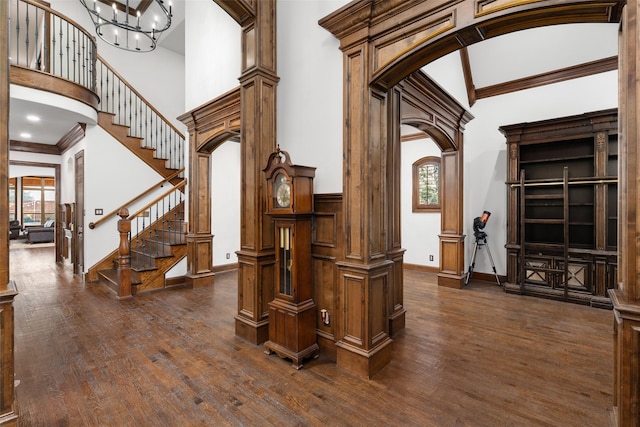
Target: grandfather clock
(292, 313)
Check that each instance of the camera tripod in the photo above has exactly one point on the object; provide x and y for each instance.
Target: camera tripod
(481, 240)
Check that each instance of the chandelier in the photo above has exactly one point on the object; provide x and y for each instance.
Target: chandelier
(137, 29)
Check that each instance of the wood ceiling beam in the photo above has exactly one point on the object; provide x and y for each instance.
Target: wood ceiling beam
(556, 76)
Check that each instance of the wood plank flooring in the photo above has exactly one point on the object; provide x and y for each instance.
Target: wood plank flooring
(472, 357)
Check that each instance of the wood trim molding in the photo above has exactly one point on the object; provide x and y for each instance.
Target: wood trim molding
(33, 147)
(48, 82)
(556, 76)
(414, 137)
(417, 267)
(403, 42)
(426, 106)
(468, 76)
(214, 122)
(240, 10)
(71, 138)
(225, 267)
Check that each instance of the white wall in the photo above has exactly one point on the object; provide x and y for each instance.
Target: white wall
(485, 148)
(420, 230)
(309, 101)
(225, 202)
(213, 52)
(113, 176)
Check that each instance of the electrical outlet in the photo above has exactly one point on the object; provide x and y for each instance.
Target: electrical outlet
(430, 257)
(228, 255)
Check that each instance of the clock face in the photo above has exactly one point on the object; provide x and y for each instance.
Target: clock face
(282, 191)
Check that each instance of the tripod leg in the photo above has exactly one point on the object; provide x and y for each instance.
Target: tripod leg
(472, 265)
(492, 264)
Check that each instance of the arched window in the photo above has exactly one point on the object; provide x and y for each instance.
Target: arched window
(426, 184)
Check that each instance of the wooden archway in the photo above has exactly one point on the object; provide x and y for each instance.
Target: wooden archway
(209, 126)
(383, 43)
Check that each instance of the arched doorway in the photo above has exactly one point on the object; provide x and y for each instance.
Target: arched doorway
(383, 44)
(209, 126)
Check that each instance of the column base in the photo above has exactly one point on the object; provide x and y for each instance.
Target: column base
(198, 280)
(451, 280)
(254, 332)
(397, 322)
(626, 365)
(361, 362)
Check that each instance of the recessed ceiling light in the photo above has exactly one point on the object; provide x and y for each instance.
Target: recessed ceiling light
(25, 135)
(33, 118)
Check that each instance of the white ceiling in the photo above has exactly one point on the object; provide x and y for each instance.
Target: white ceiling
(492, 61)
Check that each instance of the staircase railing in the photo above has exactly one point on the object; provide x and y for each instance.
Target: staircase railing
(131, 109)
(156, 227)
(154, 187)
(149, 233)
(44, 40)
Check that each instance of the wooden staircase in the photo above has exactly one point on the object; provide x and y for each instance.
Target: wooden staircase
(154, 251)
(148, 247)
(149, 155)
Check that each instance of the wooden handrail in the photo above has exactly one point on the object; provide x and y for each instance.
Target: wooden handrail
(140, 96)
(157, 199)
(113, 213)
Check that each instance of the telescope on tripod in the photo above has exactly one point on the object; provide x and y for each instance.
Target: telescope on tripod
(479, 223)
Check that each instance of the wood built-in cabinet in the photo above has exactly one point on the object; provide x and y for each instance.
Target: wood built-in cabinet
(562, 200)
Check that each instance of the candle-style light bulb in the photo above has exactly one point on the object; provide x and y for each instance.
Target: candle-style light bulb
(115, 33)
(138, 16)
(115, 12)
(137, 38)
(169, 8)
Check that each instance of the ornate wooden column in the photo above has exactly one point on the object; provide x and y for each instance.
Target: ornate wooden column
(395, 252)
(451, 219)
(364, 273)
(258, 83)
(199, 237)
(8, 415)
(626, 298)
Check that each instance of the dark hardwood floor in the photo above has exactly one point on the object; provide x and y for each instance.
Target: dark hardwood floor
(472, 357)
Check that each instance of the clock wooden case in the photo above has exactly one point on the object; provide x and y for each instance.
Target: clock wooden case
(292, 313)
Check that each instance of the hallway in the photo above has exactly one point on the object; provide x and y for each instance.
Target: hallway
(476, 357)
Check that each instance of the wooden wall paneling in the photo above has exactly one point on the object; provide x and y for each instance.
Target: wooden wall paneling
(327, 248)
(8, 292)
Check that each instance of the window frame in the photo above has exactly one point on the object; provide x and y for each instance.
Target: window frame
(422, 207)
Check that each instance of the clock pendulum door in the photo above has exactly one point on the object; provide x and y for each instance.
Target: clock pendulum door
(292, 313)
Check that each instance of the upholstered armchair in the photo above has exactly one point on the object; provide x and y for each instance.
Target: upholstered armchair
(14, 229)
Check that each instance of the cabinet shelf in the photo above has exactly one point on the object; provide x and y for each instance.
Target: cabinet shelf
(557, 159)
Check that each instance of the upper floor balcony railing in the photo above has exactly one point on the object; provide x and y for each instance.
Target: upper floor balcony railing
(43, 40)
